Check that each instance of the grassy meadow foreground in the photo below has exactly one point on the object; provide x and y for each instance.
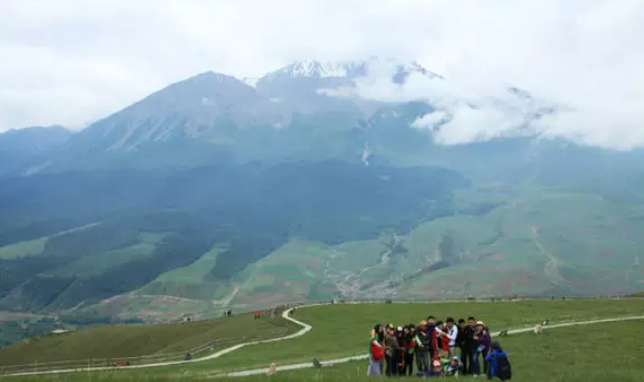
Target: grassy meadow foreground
(597, 352)
(584, 353)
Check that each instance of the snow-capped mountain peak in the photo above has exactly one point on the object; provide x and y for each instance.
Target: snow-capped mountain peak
(318, 69)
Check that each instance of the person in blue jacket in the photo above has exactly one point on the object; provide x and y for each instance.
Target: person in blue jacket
(499, 363)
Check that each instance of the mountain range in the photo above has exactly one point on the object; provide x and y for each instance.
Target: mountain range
(222, 193)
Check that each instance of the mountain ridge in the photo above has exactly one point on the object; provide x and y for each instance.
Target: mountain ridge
(230, 195)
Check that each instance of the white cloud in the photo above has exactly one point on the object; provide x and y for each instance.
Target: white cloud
(73, 61)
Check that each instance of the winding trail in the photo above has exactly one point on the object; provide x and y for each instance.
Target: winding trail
(305, 329)
(551, 269)
(245, 373)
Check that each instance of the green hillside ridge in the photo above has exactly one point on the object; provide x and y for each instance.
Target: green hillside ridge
(97, 263)
(191, 282)
(535, 242)
(34, 247)
(72, 262)
(143, 340)
(540, 243)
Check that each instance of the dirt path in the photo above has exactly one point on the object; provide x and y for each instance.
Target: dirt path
(551, 269)
(305, 329)
(226, 301)
(246, 373)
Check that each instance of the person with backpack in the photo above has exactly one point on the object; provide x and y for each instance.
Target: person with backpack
(376, 352)
(499, 364)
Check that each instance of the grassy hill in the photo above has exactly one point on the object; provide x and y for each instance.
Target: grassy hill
(116, 342)
(565, 354)
(536, 242)
(340, 330)
(498, 240)
(549, 357)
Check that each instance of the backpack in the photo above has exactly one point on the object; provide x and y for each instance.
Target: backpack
(503, 368)
(377, 352)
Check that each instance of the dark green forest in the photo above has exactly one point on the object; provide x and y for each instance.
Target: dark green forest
(250, 209)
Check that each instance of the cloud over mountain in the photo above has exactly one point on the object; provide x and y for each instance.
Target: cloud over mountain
(586, 55)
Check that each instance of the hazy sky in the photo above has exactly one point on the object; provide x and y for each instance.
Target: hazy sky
(73, 61)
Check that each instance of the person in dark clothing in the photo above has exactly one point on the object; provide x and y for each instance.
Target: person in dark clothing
(400, 353)
(409, 348)
(464, 343)
(422, 339)
(473, 344)
(432, 347)
(483, 339)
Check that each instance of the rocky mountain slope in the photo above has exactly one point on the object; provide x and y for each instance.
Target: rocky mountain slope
(217, 193)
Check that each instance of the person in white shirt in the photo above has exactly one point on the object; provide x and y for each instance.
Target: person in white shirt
(452, 333)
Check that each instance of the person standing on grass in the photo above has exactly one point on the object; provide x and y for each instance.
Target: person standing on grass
(400, 353)
(472, 344)
(451, 333)
(376, 353)
(423, 341)
(410, 345)
(391, 348)
(483, 340)
(442, 341)
(431, 332)
(463, 343)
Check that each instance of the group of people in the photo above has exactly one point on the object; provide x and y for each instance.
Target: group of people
(437, 348)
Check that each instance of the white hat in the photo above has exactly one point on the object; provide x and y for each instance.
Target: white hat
(400, 329)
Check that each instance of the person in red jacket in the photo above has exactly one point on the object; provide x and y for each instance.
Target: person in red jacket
(431, 331)
(442, 340)
(376, 352)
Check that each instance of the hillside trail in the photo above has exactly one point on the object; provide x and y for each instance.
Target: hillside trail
(226, 300)
(551, 269)
(305, 329)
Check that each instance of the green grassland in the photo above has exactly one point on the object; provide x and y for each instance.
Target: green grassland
(142, 340)
(34, 247)
(564, 354)
(535, 242)
(95, 264)
(574, 354)
(500, 240)
(151, 308)
(340, 330)
(192, 281)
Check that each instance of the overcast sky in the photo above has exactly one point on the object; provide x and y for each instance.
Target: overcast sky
(71, 62)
